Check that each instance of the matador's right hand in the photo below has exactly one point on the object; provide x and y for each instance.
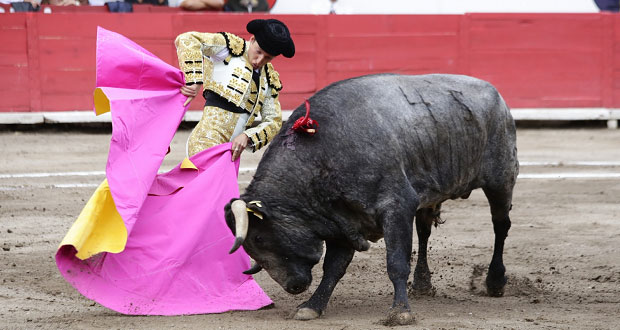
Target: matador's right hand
(190, 91)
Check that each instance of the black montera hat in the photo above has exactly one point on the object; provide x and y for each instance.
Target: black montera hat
(272, 36)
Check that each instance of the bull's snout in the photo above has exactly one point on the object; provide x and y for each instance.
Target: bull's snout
(296, 288)
(298, 285)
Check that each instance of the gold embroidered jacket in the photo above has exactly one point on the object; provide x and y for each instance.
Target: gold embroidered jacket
(231, 78)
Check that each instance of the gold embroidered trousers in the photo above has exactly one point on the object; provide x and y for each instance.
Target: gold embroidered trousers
(215, 127)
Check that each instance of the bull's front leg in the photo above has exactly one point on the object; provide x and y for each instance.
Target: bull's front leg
(337, 259)
(398, 234)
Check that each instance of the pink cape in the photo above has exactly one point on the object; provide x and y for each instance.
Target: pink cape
(175, 259)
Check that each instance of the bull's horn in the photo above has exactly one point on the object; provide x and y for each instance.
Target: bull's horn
(253, 270)
(241, 223)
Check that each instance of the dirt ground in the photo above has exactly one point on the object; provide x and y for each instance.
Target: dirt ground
(562, 254)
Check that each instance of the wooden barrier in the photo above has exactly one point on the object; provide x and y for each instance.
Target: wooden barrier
(535, 60)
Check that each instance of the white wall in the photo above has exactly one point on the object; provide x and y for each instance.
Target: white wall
(434, 6)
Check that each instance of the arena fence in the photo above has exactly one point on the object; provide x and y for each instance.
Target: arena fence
(547, 66)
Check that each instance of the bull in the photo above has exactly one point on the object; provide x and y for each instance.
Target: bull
(390, 149)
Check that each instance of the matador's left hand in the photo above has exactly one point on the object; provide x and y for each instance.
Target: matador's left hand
(190, 91)
(238, 145)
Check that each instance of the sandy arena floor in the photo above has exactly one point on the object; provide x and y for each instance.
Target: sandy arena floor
(562, 254)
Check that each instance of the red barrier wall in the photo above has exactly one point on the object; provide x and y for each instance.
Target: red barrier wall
(535, 60)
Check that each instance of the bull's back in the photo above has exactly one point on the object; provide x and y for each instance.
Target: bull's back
(433, 129)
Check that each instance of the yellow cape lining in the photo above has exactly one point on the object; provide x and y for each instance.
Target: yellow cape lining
(99, 227)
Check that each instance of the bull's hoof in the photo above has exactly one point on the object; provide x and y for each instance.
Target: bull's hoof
(422, 290)
(495, 292)
(399, 317)
(305, 314)
(495, 288)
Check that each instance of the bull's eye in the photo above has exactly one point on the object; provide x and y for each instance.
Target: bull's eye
(258, 240)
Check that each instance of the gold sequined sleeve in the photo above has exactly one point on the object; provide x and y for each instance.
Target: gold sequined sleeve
(271, 122)
(271, 113)
(192, 47)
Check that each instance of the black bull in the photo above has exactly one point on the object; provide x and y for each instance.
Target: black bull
(390, 148)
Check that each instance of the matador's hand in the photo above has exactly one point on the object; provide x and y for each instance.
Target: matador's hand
(191, 92)
(238, 145)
